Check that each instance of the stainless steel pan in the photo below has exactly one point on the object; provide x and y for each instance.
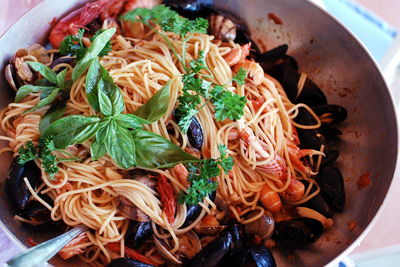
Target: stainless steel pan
(333, 58)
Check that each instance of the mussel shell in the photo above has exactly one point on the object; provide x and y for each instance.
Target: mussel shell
(317, 203)
(309, 138)
(193, 211)
(330, 114)
(330, 133)
(127, 262)
(273, 55)
(16, 188)
(65, 59)
(190, 8)
(330, 179)
(212, 254)
(330, 157)
(195, 134)
(138, 232)
(259, 256)
(35, 210)
(298, 232)
(311, 94)
(238, 241)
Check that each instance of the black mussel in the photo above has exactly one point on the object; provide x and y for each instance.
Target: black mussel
(238, 241)
(316, 203)
(193, 211)
(126, 262)
(36, 211)
(138, 232)
(257, 256)
(190, 8)
(330, 157)
(195, 134)
(330, 179)
(66, 59)
(330, 133)
(311, 94)
(273, 55)
(15, 186)
(330, 114)
(212, 254)
(298, 232)
(309, 138)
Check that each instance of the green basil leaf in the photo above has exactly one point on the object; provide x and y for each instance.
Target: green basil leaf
(46, 101)
(120, 145)
(93, 51)
(46, 72)
(92, 78)
(130, 121)
(54, 113)
(110, 98)
(157, 105)
(71, 130)
(25, 90)
(154, 151)
(97, 150)
(61, 78)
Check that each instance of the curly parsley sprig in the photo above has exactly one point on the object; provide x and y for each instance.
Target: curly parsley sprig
(44, 152)
(201, 174)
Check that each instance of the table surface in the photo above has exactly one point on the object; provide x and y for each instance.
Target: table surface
(385, 233)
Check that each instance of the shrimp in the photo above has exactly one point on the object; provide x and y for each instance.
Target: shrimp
(255, 74)
(68, 251)
(294, 192)
(182, 173)
(70, 24)
(276, 167)
(295, 155)
(270, 199)
(237, 54)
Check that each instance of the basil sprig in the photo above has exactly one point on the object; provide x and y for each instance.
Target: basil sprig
(114, 133)
(48, 93)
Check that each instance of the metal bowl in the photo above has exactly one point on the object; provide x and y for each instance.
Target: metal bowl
(333, 58)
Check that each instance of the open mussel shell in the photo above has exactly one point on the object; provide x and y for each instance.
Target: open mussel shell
(63, 60)
(317, 203)
(16, 188)
(189, 246)
(138, 232)
(193, 211)
(309, 138)
(36, 211)
(330, 179)
(298, 232)
(163, 249)
(127, 262)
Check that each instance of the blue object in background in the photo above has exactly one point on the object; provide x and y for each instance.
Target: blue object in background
(376, 34)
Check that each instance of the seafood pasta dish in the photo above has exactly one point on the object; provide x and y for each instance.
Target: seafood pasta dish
(166, 131)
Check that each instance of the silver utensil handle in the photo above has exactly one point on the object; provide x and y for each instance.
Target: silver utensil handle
(41, 253)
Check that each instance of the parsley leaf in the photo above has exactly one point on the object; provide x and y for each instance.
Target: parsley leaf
(169, 20)
(72, 45)
(240, 76)
(43, 151)
(27, 153)
(227, 105)
(200, 175)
